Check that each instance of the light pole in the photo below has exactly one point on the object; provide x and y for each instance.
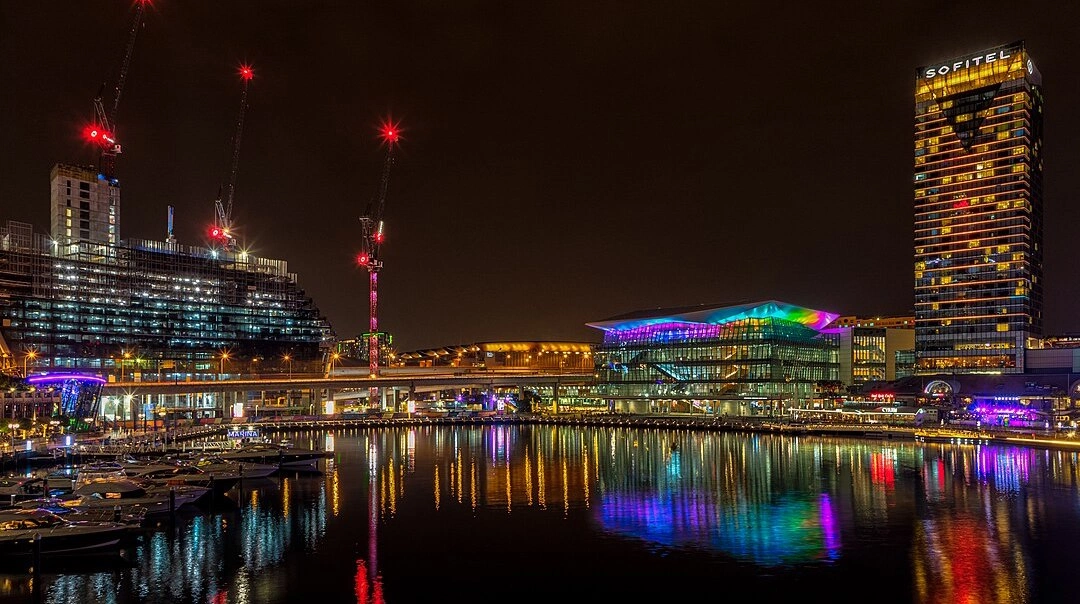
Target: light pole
(221, 370)
(30, 355)
(288, 359)
(126, 356)
(333, 363)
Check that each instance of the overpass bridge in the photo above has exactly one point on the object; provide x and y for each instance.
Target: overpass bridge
(311, 394)
(427, 381)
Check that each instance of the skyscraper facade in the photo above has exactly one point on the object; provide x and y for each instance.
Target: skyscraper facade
(978, 211)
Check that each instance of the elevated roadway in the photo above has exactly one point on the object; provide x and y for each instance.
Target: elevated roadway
(490, 379)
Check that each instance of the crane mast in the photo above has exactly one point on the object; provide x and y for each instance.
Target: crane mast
(372, 232)
(222, 230)
(103, 130)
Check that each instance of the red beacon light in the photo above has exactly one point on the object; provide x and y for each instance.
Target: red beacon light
(98, 135)
(389, 132)
(246, 73)
(362, 259)
(217, 233)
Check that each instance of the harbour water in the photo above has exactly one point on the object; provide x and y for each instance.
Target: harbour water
(562, 513)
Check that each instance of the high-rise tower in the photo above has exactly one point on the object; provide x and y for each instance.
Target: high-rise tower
(978, 211)
(84, 213)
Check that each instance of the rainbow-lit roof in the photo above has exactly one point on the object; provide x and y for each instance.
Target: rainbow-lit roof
(718, 315)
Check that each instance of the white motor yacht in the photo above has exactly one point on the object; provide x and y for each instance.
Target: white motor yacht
(157, 499)
(20, 528)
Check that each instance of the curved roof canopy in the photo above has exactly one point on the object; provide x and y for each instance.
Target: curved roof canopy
(717, 315)
(50, 378)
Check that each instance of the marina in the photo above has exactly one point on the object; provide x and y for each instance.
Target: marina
(736, 506)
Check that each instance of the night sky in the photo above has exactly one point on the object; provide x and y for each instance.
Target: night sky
(561, 162)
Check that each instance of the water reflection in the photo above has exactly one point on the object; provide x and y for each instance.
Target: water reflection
(949, 523)
(210, 557)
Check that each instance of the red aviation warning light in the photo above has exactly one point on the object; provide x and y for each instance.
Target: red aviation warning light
(246, 73)
(389, 132)
(362, 259)
(98, 135)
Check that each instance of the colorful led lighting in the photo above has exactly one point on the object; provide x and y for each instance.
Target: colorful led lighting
(63, 377)
(719, 315)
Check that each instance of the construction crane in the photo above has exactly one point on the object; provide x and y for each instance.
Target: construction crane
(372, 233)
(102, 132)
(222, 229)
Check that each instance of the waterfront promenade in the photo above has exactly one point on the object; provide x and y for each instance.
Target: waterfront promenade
(184, 438)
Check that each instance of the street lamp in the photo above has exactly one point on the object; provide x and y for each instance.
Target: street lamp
(288, 359)
(224, 357)
(333, 362)
(12, 427)
(124, 355)
(30, 355)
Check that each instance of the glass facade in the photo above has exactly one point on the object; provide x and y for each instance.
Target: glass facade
(867, 354)
(978, 211)
(150, 306)
(764, 355)
(905, 363)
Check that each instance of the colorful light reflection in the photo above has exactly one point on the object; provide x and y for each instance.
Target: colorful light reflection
(791, 530)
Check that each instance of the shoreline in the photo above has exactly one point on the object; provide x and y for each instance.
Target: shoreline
(151, 443)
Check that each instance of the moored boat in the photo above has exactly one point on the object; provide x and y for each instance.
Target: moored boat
(156, 499)
(58, 536)
(286, 458)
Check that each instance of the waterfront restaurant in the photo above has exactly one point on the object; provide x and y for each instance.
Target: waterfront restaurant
(747, 359)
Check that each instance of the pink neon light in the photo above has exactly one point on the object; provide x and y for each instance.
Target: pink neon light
(63, 377)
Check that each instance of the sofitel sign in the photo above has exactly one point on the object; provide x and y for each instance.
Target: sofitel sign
(979, 59)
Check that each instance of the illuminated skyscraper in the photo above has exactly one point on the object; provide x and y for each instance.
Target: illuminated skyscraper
(978, 211)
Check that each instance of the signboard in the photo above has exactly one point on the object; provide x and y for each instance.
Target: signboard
(984, 57)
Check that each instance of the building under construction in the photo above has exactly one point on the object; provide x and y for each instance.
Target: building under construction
(81, 298)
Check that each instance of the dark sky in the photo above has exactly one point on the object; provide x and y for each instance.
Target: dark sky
(562, 161)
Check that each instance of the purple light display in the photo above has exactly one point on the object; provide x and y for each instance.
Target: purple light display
(47, 378)
(667, 332)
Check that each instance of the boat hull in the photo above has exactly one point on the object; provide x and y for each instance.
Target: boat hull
(63, 541)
